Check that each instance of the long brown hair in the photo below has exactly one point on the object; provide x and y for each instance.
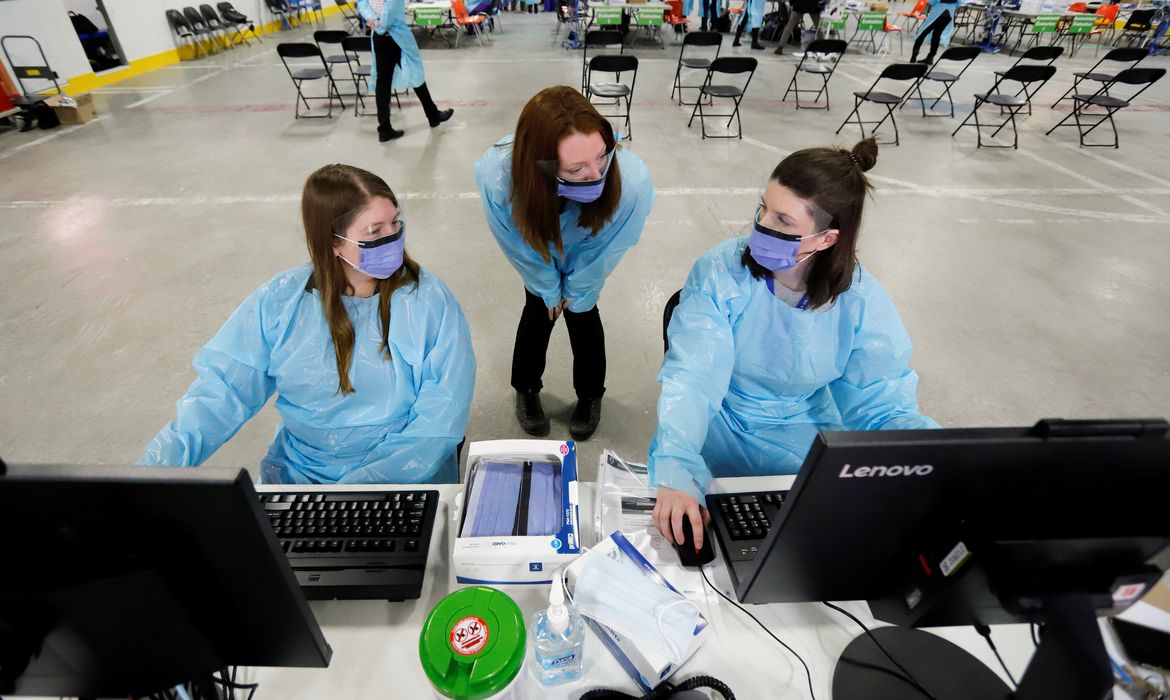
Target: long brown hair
(833, 179)
(332, 197)
(551, 115)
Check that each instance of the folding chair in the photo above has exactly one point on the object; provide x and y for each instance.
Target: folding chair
(281, 10)
(304, 72)
(694, 39)
(597, 39)
(1143, 77)
(195, 21)
(237, 20)
(1137, 28)
(1106, 22)
(1013, 104)
(311, 8)
(900, 72)
(335, 56)
(183, 32)
(819, 59)
(965, 55)
(215, 24)
(1131, 56)
(725, 65)
(463, 20)
(617, 90)
(350, 15)
(1045, 54)
(354, 47)
(495, 16)
(917, 15)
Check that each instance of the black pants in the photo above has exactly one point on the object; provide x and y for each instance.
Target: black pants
(387, 53)
(935, 30)
(586, 337)
(712, 7)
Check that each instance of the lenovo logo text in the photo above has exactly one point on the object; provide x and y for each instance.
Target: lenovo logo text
(848, 472)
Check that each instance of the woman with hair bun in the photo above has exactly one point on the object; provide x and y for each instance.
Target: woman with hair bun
(777, 336)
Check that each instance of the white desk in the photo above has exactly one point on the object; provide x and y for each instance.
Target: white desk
(375, 643)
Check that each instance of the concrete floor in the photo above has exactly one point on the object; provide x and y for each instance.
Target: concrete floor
(1032, 282)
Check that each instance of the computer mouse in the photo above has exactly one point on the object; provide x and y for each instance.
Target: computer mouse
(687, 555)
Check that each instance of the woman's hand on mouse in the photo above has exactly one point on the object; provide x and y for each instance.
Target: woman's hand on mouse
(672, 506)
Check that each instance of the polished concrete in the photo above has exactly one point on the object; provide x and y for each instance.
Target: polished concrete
(1033, 282)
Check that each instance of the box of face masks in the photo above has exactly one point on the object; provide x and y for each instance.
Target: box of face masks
(647, 665)
(516, 521)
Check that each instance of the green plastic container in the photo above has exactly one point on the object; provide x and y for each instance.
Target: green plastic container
(473, 644)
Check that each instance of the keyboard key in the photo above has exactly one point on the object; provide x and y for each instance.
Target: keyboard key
(749, 499)
(421, 497)
(412, 545)
(274, 497)
(418, 505)
(759, 532)
(736, 533)
(733, 499)
(318, 498)
(408, 497)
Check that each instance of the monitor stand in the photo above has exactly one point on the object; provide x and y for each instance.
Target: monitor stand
(864, 673)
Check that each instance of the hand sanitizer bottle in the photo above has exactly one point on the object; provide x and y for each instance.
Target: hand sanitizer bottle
(558, 634)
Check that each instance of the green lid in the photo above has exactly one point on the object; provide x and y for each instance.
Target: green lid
(473, 643)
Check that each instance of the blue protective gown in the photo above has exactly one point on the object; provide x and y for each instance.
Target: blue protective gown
(401, 425)
(936, 8)
(754, 13)
(749, 380)
(578, 273)
(409, 73)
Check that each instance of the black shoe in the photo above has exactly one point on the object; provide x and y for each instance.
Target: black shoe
(531, 414)
(384, 136)
(585, 418)
(735, 43)
(443, 116)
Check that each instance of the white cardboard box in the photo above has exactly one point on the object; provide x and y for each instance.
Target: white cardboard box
(646, 667)
(519, 561)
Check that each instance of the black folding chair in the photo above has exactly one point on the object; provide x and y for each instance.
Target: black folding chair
(1032, 78)
(1142, 78)
(195, 21)
(820, 59)
(352, 20)
(900, 72)
(184, 32)
(694, 39)
(215, 24)
(281, 10)
(312, 70)
(1132, 56)
(1137, 28)
(724, 65)
(964, 55)
(329, 41)
(598, 39)
(1045, 55)
(355, 47)
(237, 20)
(616, 90)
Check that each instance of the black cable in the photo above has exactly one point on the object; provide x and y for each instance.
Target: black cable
(666, 690)
(1032, 631)
(985, 632)
(907, 676)
(807, 672)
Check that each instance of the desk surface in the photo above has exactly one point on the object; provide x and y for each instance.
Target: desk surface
(375, 643)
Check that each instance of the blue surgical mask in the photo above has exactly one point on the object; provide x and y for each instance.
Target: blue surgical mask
(381, 257)
(584, 191)
(775, 250)
(514, 499)
(619, 594)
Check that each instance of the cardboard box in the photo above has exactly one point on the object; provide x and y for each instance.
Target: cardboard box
(506, 562)
(73, 110)
(646, 667)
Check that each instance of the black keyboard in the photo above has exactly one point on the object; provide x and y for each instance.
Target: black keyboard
(742, 520)
(358, 545)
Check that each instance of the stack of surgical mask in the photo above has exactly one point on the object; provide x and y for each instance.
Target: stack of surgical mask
(513, 497)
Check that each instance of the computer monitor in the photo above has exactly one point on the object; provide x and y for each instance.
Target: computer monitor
(1053, 524)
(120, 581)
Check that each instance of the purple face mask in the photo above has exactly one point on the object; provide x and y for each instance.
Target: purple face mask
(775, 250)
(381, 257)
(584, 191)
